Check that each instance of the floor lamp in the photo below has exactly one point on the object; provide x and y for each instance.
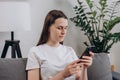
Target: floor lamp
(14, 16)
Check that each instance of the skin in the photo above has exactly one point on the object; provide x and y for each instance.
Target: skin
(57, 34)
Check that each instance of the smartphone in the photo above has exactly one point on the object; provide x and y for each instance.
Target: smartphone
(86, 52)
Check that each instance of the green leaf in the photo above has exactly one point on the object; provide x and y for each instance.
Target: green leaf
(112, 23)
(81, 11)
(83, 15)
(90, 3)
(94, 13)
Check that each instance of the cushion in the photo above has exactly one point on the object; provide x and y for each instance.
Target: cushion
(116, 75)
(12, 69)
(100, 69)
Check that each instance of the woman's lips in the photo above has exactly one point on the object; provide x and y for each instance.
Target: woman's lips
(61, 36)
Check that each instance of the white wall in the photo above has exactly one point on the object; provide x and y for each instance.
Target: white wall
(74, 38)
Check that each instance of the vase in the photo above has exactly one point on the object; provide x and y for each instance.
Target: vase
(100, 68)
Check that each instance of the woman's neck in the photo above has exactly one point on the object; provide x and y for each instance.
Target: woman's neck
(53, 44)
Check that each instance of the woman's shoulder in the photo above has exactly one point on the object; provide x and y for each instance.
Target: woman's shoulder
(67, 47)
(36, 48)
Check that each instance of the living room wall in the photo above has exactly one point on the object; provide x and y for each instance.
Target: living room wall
(74, 38)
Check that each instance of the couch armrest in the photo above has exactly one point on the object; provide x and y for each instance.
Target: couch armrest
(115, 75)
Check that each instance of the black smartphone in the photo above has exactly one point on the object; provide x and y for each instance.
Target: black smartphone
(86, 52)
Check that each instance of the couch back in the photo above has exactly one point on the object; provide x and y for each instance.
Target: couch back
(14, 69)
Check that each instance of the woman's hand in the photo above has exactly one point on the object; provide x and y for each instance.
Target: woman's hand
(77, 66)
(87, 60)
(71, 68)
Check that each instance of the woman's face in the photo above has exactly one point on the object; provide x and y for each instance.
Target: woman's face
(58, 30)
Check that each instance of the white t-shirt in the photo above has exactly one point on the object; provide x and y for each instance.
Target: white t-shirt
(51, 60)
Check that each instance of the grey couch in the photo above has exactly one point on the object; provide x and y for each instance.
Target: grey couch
(14, 69)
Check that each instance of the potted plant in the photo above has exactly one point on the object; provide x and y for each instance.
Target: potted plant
(97, 23)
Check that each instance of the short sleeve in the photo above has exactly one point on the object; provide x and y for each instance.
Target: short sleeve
(32, 61)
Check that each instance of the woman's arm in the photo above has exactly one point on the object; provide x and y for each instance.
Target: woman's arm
(34, 74)
(59, 76)
(84, 74)
(81, 74)
(69, 70)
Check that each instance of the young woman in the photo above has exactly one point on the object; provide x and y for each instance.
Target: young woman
(50, 59)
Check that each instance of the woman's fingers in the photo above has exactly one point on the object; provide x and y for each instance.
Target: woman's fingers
(72, 68)
(86, 57)
(87, 60)
(74, 62)
(91, 53)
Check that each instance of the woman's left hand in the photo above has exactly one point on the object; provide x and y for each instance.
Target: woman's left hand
(87, 60)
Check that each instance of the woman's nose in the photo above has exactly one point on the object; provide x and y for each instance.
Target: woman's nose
(63, 31)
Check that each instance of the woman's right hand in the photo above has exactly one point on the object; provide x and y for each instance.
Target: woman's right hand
(71, 68)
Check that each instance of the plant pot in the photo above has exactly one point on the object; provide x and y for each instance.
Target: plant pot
(100, 69)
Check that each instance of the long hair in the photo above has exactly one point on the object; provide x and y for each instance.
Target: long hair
(49, 20)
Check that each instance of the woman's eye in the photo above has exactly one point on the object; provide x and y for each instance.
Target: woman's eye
(65, 28)
(59, 28)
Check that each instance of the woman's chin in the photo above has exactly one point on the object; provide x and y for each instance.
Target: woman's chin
(61, 40)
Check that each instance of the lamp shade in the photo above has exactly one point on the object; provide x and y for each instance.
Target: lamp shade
(14, 16)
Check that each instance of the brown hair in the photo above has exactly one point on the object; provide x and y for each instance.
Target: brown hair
(49, 20)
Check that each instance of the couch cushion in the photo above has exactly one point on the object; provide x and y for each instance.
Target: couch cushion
(13, 69)
(100, 69)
